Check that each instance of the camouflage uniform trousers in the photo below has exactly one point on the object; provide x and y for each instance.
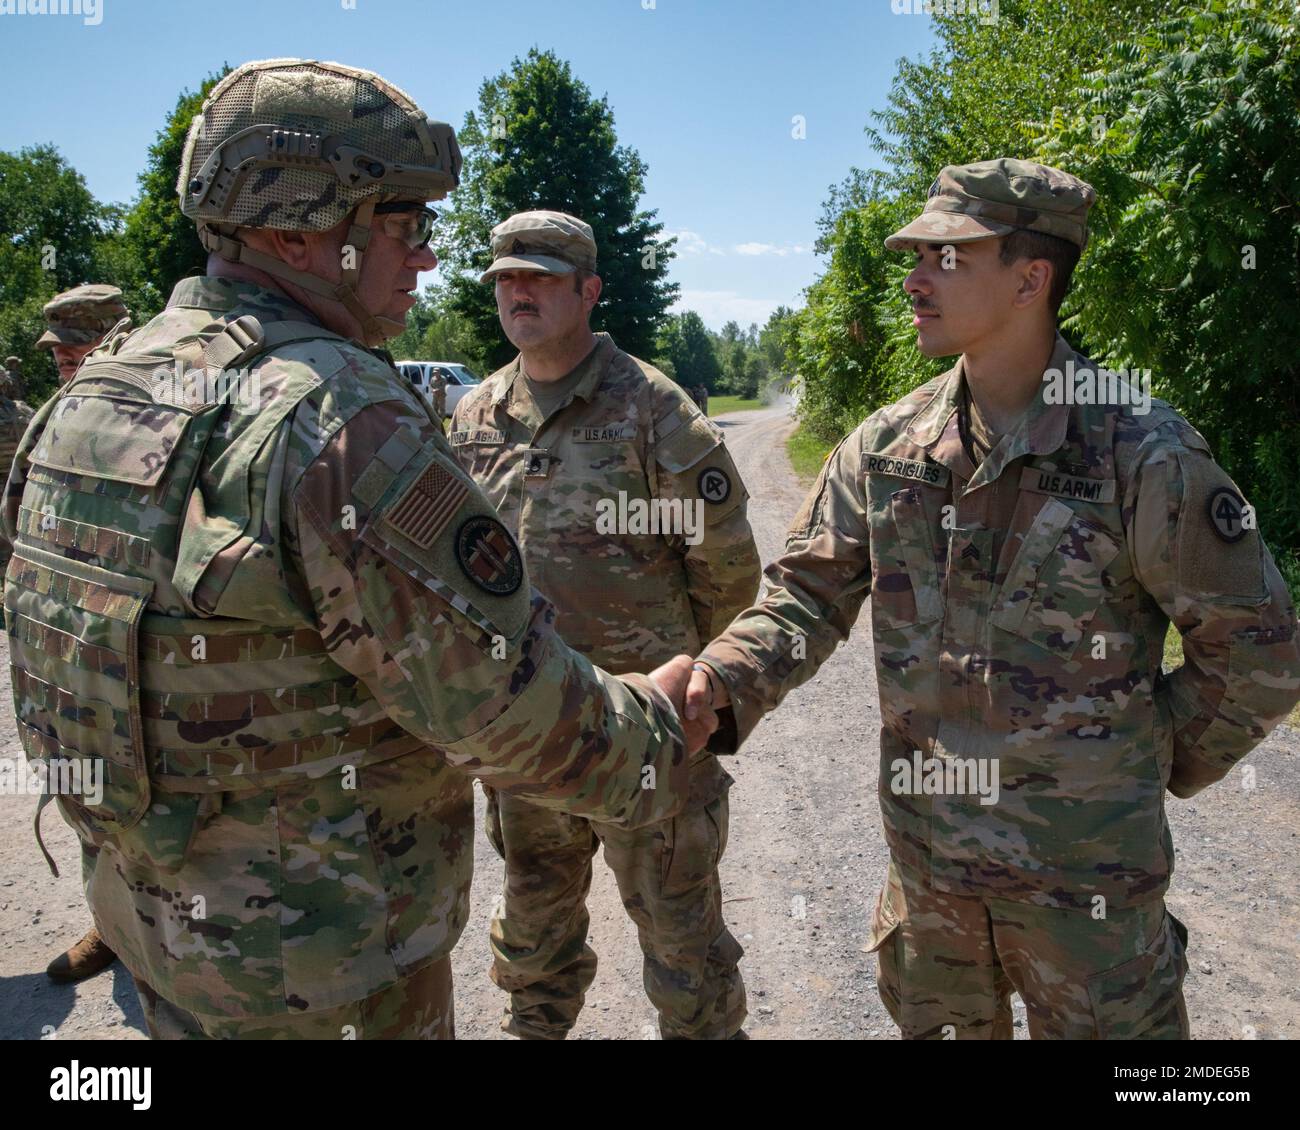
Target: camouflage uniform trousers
(667, 875)
(418, 1007)
(949, 963)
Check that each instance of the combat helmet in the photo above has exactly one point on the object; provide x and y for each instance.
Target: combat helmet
(296, 145)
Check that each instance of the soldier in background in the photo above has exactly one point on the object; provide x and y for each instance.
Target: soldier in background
(438, 391)
(291, 672)
(1024, 554)
(78, 320)
(702, 397)
(11, 382)
(15, 415)
(570, 429)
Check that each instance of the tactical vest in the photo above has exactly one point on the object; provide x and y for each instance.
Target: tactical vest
(114, 663)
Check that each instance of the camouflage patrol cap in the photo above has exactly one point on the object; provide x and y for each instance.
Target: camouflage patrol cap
(993, 198)
(81, 315)
(552, 242)
(13, 362)
(296, 144)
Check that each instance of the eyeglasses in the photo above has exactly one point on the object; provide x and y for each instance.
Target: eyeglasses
(408, 221)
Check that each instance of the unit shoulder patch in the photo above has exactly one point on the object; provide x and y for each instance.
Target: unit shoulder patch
(715, 485)
(488, 555)
(1227, 509)
(1220, 554)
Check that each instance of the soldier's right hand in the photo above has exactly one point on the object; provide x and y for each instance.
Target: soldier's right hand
(706, 692)
(698, 725)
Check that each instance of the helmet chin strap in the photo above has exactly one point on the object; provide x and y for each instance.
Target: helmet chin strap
(374, 329)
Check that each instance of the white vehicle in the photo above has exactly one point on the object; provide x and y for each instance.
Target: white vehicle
(441, 383)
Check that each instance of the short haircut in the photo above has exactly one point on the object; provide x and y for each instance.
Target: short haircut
(1061, 253)
(579, 277)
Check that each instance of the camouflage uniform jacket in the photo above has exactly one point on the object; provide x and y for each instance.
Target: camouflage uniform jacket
(1018, 614)
(286, 621)
(627, 597)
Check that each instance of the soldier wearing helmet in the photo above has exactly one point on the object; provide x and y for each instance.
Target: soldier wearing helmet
(304, 627)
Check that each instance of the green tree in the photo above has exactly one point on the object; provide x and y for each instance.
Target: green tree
(160, 242)
(1197, 266)
(973, 98)
(733, 356)
(435, 332)
(539, 139)
(52, 232)
(983, 83)
(774, 342)
(841, 343)
(685, 344)
(753, 376)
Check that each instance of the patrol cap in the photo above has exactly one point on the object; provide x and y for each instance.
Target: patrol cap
(993, 198)
(553, 242)
(81, 315)
(11, 362)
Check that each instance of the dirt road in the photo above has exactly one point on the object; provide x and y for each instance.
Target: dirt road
(805, 858)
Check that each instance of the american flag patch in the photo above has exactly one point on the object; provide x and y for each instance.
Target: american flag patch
(427, 506)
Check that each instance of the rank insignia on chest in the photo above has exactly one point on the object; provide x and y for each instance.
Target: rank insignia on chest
(489, 556)
(919, 471)
(537, 464)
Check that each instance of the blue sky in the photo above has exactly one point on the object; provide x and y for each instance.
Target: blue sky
(707, 92)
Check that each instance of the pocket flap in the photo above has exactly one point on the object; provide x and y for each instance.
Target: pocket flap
(1131, 999)
(128, 441)
(884, 921)
(1055, 585)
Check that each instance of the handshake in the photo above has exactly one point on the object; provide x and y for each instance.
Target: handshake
(697, 694)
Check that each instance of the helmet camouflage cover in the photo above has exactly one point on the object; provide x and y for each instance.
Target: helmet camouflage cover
(299, 145)
(296, 144)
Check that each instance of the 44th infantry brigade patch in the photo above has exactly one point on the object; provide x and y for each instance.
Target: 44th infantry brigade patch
(1227, 511)
(488, 556)
(714, 485)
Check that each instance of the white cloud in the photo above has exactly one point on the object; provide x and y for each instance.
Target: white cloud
(770, 249)
(717, 307)
(692, 243)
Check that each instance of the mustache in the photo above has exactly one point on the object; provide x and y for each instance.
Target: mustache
(921, 304)
(520, 307)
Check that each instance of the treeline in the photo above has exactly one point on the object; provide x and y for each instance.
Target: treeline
(734, 362)
(54, 235)
(1186, 121)
(57, 235)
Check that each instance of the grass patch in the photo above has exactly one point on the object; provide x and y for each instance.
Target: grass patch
(1173, 649)
(721, 404)
(807, 453)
